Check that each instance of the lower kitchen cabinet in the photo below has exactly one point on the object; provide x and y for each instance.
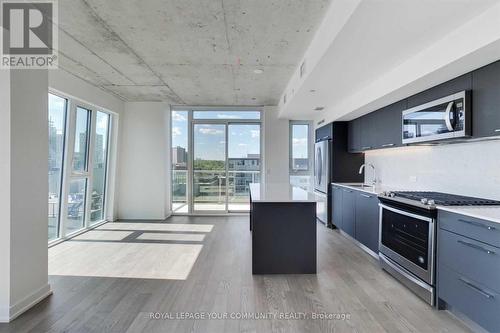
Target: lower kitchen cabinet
(337, 206)
(468, 268)
(348, 211)
(367, 221)
(356, 213)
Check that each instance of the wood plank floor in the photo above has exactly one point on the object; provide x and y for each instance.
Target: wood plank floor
(219, 282)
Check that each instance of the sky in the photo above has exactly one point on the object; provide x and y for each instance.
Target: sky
(57, 107)
(209, 139)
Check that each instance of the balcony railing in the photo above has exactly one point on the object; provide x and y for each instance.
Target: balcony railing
(210, 185)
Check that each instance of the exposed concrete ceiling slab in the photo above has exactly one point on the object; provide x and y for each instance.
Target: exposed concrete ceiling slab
(189, 51)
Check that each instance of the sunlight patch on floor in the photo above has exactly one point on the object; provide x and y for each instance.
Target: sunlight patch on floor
(131, 250)
(172, 237)
(157, 227)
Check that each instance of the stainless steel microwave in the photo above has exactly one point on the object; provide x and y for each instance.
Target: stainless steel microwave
(443, 119)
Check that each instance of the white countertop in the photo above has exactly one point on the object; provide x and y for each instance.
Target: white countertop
(488, 213)
(377, 189)
(281, 192)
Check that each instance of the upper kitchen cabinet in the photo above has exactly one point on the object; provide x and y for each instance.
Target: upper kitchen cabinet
(455, 85)
(379, 129)
(354, 135)
(486, 101)
(388, 124)
(324, 132)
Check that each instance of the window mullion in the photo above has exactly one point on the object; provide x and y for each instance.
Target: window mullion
(68, 162)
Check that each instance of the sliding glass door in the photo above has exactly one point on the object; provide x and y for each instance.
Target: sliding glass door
(209, 167)
(215, 156)
(226, 159)
(243, 164)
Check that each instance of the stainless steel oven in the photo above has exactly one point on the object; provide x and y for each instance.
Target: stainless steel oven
(443, 119)
(407, 247)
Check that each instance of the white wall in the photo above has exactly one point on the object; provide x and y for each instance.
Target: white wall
(4, 194)
(471, 169)
(276, 147)
(73, 86)
(144, 191)
(25, 164)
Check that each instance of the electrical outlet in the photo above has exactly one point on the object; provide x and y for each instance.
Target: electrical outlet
(413, 179)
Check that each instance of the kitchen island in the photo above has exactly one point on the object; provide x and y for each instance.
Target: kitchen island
(283, 226)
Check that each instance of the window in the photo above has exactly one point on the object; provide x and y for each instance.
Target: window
(80, 151)
(300, 147)
(216, 154)
(76, 205)
(57, 132)
(255, 115)
(179, 161)
(99, 170)
(300, 159)
(76, 193)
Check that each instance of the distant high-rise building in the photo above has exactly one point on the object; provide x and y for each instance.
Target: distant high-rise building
(99, 149)
(179, 157)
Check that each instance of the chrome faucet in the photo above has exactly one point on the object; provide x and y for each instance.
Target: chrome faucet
(374, 180)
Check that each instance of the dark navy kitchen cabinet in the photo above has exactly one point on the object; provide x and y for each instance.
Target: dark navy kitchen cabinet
(354, 137)
(468, 268)
(337, 206)
(389, 125)
(356, 213)
(349, 211)
(486, 101)
(376, 130)
(324, 132)
(367, 221)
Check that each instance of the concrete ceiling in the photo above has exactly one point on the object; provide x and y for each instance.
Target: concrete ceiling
(197, 52)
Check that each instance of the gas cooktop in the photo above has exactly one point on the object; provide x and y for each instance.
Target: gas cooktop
(428, 198)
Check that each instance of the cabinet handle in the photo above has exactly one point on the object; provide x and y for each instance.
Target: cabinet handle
(497, 130)
(477, 247)
(365, 195)
(476, 288)
(477, 224)
(364, 148)
(349, 191)
(388, 145)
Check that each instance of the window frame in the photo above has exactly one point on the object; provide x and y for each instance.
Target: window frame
(63, 164)
(68, 174)
(190, 148)
(310, 148)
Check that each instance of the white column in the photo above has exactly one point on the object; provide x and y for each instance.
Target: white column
(276, 147)
(23, 190)
(144, 176)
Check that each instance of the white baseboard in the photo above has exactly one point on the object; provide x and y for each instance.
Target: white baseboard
(25, 304)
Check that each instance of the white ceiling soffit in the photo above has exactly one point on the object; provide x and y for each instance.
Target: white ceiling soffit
(387, 50)
(188, 51)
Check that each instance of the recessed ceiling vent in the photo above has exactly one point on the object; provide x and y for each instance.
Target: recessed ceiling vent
(319, 108)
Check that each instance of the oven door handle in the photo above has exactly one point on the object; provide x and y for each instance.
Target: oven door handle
(402, 212)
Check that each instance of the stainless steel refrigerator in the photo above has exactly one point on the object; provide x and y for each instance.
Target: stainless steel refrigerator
(322, 177)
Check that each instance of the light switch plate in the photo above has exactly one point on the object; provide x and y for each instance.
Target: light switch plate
(413, 179)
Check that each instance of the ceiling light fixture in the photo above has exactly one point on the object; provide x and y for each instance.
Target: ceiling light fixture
(258, 71)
